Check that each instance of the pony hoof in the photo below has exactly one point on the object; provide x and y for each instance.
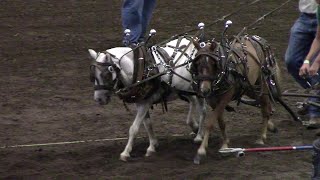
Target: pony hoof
(224, 146)
(260, 142)
(192, 134)
(150, 153)
(124, 158)
(197, 159)
(197, 139)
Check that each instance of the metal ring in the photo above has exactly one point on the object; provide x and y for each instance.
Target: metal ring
(153, 48)
(110, 69)
(202, 44)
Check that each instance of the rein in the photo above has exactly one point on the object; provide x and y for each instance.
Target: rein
(263, 17)
(211, 24)
(103, 67)
(169, 70)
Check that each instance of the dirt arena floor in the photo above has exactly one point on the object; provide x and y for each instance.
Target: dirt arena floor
(46, 97)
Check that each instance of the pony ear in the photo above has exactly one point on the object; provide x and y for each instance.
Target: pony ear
(117, 64)
(92, 53)
(196, 42)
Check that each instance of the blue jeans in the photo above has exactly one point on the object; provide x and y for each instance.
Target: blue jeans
(301, 37)
(136, 15)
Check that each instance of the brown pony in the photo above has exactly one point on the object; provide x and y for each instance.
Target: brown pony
(224, 73)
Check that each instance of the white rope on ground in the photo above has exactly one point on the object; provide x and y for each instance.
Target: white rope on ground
(79, 141)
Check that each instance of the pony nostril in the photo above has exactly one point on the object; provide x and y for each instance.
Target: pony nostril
(205, 92)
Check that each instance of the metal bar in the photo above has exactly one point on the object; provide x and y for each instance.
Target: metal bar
(284, 148)
(300, 95)
(294, 116)
(262, 149)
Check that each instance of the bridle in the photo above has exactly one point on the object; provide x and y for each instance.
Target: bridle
(105, 68)
(210, 55)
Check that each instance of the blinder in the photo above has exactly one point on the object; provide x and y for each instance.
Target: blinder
(207, 55)
(105, 69)
(193, 69)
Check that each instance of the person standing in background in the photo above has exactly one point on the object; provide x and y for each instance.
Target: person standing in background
(302, 35)
(307, 68)
(136, 15)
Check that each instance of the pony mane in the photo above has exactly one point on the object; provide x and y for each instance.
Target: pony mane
(119, 52)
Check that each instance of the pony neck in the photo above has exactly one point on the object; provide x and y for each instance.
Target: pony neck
(124, 60)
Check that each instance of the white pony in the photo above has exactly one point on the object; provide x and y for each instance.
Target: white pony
(116, 64)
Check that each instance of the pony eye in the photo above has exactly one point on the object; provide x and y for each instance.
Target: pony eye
(110, 69)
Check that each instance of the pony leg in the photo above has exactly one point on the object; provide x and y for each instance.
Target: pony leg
(204, 144)
(201, 108)
(153, 142)
(222, 126)
(196, 126)
(190, 121)
(142, 110)
(266, 123)
(216, 114)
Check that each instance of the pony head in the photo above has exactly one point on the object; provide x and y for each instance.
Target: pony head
(205, 66)
(103, 73)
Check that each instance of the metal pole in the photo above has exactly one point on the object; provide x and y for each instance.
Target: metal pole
(241, 151)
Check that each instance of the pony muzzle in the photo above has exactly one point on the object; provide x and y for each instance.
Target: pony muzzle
(102, 97)
(205, 88)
